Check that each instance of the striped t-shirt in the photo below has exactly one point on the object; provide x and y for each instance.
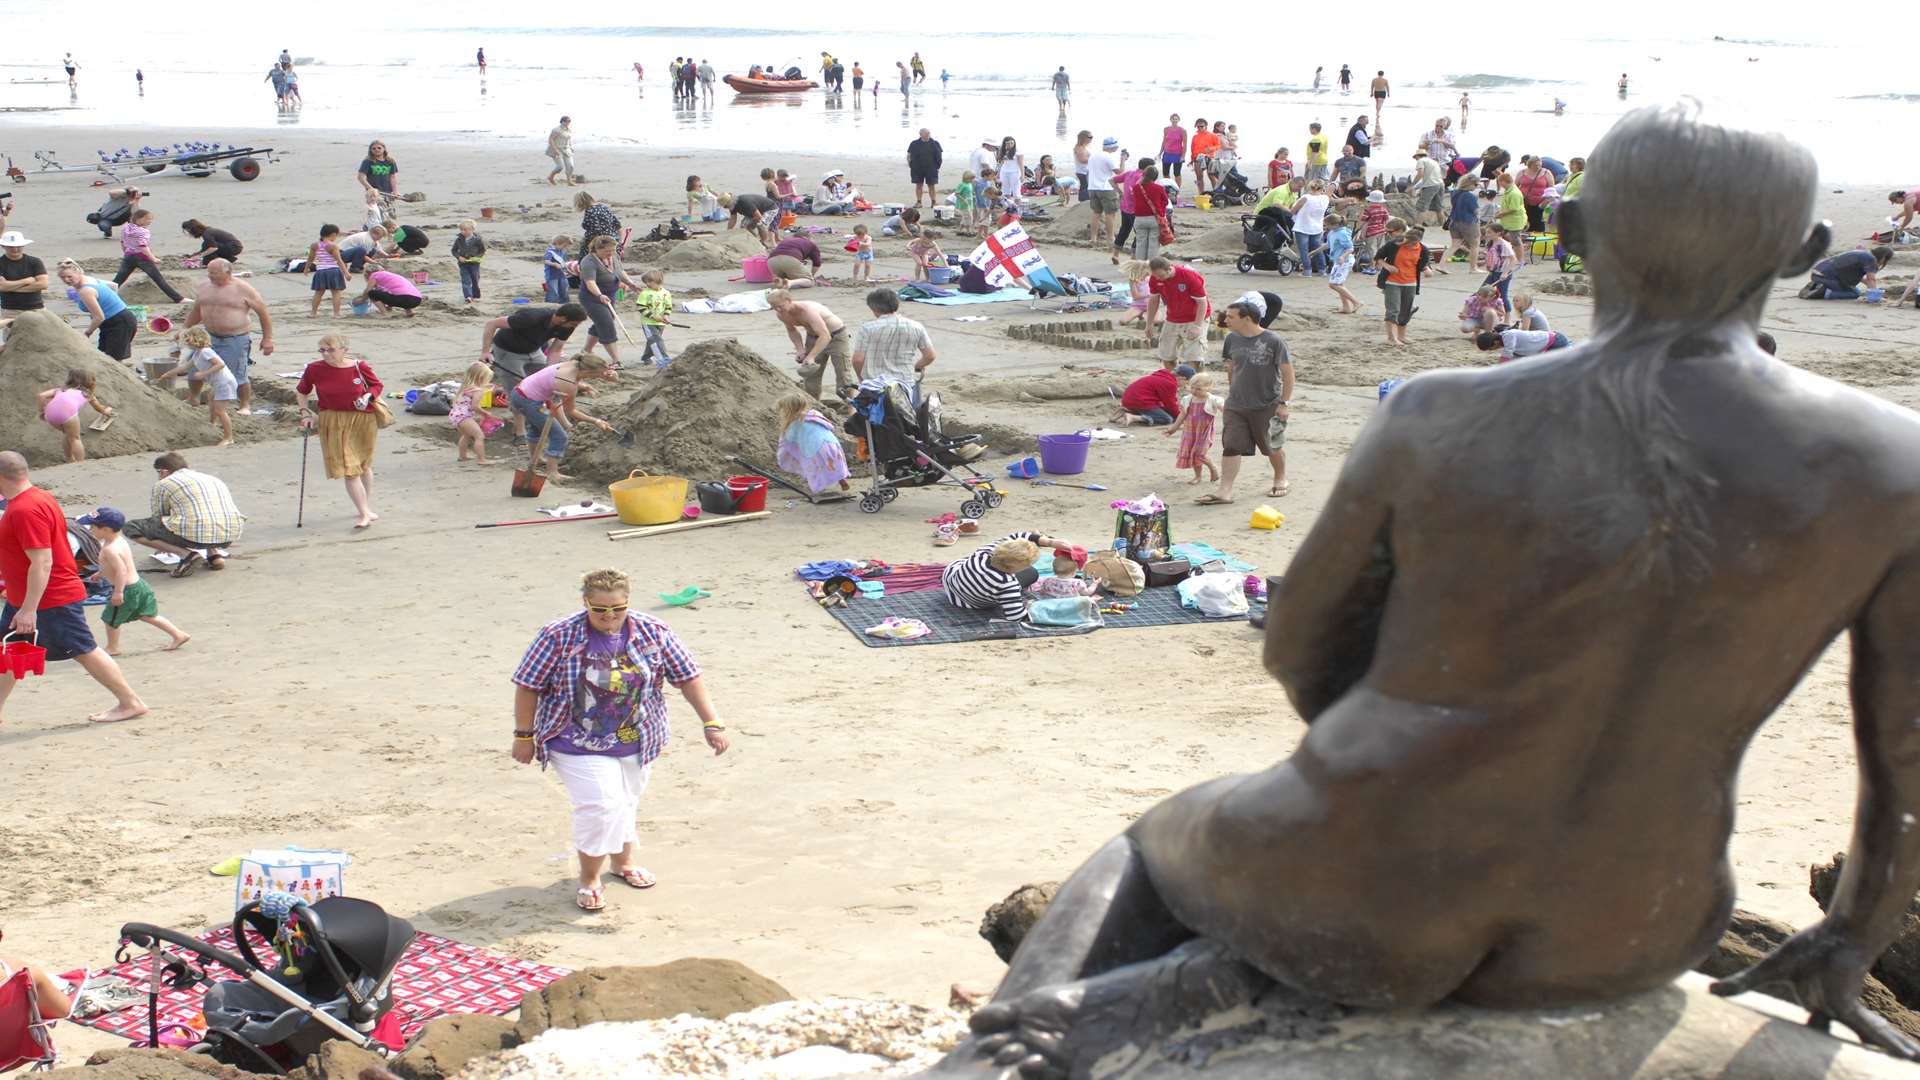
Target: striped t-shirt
(972, 583)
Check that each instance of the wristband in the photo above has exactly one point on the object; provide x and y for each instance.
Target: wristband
(522, 734)
(714, 727)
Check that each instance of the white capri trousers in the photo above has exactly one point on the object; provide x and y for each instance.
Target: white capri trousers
(606, 798)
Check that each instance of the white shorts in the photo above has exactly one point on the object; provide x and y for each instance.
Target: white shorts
(606, 796)
(1338, 275)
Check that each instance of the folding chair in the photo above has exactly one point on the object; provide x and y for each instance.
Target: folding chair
(26, 1037)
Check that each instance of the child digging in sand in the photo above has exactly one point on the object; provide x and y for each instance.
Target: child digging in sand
(809, 446)
(469, 417)
(202, 365)
(132, 599)
(1198, 412)
(60, 408)
(926, 252)
(323, 258)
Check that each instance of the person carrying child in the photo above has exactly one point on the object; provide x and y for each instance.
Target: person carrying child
(60, 408)
(468, 251)
(324, 259)
(656, 307)
(132, 599)
(1065, 581)
(862, 248)
(553, 270)
(810, 446)
(1199, 411)
(469, 416)
(199, 363)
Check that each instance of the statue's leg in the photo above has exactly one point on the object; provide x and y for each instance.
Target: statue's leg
(1057, 1032)
(1106, 915)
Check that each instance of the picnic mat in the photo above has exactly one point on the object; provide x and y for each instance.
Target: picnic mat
(952, 625)
(959, 298)
(435, 977)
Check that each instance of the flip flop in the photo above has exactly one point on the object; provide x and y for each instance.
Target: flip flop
(187, 563)
(1210, 499)
(1280, 491)
(638, 877)
(589, 899)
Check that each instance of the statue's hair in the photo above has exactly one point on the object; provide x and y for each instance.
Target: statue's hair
(1665, 189)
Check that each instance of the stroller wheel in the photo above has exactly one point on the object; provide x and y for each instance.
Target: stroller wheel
(889, 494)
(973, 509)
(992, 499)
(871, 503)
(1287, 264)
(1244, 264)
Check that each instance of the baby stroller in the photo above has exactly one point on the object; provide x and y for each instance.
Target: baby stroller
(333, 980)
(1233, 190)
(905, 447)
(1269, 239)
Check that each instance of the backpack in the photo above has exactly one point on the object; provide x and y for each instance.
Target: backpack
(431, 403)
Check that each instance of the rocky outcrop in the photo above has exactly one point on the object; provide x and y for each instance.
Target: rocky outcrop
(1007, 922)
(446, 1045)
(703, 988)
(162, 1064)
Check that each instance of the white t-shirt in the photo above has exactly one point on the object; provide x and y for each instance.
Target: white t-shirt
(1101, 168)
(1521, 343)
(985, 164)
(1309, 215)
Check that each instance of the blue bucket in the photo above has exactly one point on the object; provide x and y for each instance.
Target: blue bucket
(939, 275)
(1387, 387)
(1024, 469)
(1065, 455)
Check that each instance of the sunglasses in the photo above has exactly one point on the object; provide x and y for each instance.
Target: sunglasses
(612, 609)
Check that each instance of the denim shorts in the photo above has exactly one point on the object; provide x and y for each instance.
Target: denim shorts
(236, 352)
(535, 413)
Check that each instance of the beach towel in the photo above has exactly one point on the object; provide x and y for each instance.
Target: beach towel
(949, 625)
(740, 303)
(955, 299)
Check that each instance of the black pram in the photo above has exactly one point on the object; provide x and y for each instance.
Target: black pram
(1268, 236)
(906, 448)
(1233, 190)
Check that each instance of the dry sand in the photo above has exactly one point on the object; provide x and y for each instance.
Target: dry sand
(350, 689)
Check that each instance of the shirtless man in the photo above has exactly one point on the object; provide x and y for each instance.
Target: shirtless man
(818, 337)
(222, 305)
(1518, 782)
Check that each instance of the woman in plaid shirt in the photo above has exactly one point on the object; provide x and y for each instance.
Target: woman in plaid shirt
(589, 699)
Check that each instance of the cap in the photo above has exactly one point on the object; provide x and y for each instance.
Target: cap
(105, 516)
(1186, 371)
(1258, 302)
(13, 238)
(1376, 196)
(1110, 143)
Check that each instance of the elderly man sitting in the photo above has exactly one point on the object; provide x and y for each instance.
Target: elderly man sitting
(193, 515)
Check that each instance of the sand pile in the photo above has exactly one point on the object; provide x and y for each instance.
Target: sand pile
(717, 399)
(721, 251)
(38, 354)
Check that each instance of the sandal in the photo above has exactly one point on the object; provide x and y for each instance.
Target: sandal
(638, 877)
(1280, 490)
(187, 563)
(1210, 499)
(216, 562)
(589, 899)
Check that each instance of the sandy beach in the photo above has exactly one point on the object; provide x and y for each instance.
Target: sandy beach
(350, 690)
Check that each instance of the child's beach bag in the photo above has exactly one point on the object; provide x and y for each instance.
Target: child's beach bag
(310, 874)
(1121, 576)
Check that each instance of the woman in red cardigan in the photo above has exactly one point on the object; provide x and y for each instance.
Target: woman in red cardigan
(343, 392)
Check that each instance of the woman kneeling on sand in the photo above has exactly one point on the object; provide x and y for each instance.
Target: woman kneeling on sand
(589, 699)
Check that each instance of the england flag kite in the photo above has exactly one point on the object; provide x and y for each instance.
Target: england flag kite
(1010, 260)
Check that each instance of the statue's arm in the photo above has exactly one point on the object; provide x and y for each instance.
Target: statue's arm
(1324, 618)
(1883, 866)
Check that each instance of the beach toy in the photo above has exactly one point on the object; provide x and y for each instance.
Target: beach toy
(486, 213)
(755, 270)
(413, 396)
(421, 277)
(22, 658)
(139, 312)
(1266, 517)
(939, 275)
(521, 300)
(228, 868)
(1064, 455)
(1387, 386)
(1874, 296)
(685, 596)
(1203, 202)
(160, 324)
(1024, 469)
(643, 499)
(359, 308)
(749, 493)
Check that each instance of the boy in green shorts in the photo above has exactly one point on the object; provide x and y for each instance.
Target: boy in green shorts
(132, 598)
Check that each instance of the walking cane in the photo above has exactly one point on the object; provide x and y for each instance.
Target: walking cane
(300, 516)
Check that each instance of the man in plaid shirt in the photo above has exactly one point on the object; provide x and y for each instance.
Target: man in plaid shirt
(891, 346)
(192, 514)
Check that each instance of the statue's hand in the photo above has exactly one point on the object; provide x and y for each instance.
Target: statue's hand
(1826, 973)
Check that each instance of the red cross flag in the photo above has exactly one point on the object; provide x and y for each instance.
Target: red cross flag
(1010, 260)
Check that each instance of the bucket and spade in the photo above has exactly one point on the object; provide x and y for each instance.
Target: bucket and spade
(22, 658)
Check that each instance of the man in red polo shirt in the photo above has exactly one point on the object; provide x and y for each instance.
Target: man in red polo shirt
(44, 592)
(1183, 337)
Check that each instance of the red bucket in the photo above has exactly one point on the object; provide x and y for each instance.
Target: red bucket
(23, 658)
(749, 493)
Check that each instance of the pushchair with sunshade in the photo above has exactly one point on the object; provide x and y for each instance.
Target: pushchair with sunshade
(905, 447)
(1268, 236)
(333, 979)
(1233, 190)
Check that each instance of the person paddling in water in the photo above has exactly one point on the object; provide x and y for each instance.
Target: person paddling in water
(1518, 782)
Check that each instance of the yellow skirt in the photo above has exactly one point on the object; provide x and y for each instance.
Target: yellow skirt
(346, 441)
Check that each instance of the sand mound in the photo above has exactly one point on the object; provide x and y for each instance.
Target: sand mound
(38, 354)
(721, 251)
(717, 399)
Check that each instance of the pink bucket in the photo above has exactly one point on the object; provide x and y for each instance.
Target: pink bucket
(755, 270)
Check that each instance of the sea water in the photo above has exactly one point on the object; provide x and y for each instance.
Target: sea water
(205, 79)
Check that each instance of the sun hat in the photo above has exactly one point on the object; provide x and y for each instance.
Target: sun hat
(105, 516)
(14, 238)
(830, 174)
(1376, 196)
(1110, 143)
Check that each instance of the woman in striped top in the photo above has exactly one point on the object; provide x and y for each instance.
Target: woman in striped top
(996, 576)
